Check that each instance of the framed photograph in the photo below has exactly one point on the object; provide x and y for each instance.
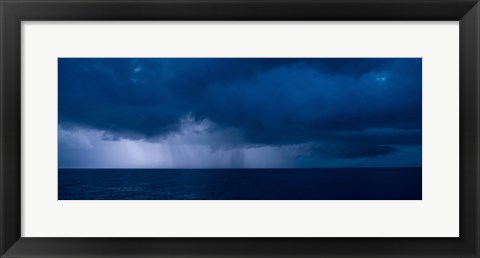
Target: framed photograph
(243, 128)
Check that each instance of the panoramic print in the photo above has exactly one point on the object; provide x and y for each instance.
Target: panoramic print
(239, 128)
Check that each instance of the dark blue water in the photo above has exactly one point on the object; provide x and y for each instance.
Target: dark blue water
(241, 184)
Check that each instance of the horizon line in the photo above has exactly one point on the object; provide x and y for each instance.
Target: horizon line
(241, 168)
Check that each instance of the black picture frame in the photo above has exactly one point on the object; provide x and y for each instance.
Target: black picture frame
(13, 12)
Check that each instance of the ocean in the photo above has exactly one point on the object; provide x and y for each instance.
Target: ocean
(241, 184)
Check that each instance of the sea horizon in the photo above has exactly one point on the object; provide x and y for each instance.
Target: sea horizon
(249, 168)
(394, 183)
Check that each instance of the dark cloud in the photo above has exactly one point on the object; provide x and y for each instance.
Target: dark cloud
(349, 151)
(361, 107)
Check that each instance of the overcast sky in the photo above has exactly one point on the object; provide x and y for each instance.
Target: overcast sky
(239, 112)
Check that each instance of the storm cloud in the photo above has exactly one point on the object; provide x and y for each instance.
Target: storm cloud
(324, 108)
